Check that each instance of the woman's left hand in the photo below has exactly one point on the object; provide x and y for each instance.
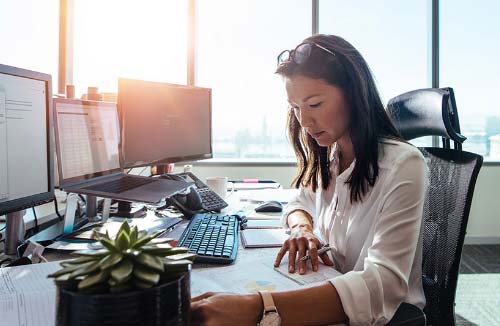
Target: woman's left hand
(226, 309)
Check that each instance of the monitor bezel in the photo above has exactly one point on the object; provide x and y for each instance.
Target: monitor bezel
(166, 160)
(18, 204)
(64, 182)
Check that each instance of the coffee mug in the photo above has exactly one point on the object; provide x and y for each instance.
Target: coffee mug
(218, 185)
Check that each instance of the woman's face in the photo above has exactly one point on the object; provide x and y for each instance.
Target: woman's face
(320, 108)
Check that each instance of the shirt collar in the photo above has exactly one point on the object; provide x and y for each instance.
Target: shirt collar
(334, 163)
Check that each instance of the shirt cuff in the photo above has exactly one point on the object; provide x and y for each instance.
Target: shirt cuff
(355, 298)
(289, 209)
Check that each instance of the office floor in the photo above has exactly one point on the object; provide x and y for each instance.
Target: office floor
(478, 291)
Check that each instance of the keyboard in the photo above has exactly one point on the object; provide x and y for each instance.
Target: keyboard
(213, 237)
(210, 200)
(120, 185)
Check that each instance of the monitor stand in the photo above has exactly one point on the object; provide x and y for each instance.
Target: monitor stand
(14, 232)
(91, 208)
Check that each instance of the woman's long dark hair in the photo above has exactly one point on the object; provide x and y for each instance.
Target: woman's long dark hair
(369, 120)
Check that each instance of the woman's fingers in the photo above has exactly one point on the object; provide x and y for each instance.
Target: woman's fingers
(281, 253)
(292, 255)
(326, 259)
(313, 253)
(302, 252)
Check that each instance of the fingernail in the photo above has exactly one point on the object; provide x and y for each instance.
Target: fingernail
(315, 268)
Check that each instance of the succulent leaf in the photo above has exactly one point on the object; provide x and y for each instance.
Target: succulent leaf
(146, 275)
(111, 260)
(94, 279)
(122, 241)
(122, 271)
(145, 239)
(150, 261)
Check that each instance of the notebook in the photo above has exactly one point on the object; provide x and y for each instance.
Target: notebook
(263, 238)
(264, 224)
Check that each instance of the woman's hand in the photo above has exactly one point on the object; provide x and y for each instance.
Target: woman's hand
(226, 309)
(302, 241)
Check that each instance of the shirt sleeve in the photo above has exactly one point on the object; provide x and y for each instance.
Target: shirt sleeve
(372, 296)
(305, 200)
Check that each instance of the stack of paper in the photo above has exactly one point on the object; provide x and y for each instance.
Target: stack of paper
(27, 296)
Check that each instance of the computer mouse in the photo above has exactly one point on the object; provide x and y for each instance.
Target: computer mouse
(272, 206)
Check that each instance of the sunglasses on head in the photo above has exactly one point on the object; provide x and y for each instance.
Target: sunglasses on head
(300, 54)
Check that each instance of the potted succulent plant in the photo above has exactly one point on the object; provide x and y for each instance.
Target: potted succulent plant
(136, 279)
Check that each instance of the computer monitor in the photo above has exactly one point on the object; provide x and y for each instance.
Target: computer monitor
(163, 123)
(87, 137)
(26, 155)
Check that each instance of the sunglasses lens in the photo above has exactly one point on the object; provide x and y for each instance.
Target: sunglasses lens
(284, 57)
(302, 53)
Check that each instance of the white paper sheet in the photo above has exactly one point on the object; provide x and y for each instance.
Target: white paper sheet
(27, 296)
(258, 196)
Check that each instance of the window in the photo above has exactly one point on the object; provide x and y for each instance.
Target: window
(469, 53)
(395, 49)
(124, 38)
(238, 42)
(29, 31)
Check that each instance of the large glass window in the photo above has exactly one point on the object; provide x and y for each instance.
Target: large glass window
(392, 36)
(29, 31)
(144, 39)
(470, 51)
(238, 42)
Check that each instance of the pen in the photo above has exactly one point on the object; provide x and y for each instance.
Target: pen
(321, 251)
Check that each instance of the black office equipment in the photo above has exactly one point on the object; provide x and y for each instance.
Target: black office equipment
(272, 206)
(26, 164)
(163, 123)
(87, 137)
(209, 200)
(213, 237)
(452, 177)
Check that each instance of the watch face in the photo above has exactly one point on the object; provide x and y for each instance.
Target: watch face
(271, 319)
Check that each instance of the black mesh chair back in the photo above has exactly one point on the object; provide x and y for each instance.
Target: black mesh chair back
(452, 177)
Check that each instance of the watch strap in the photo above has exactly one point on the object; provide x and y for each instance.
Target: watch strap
(268, 301)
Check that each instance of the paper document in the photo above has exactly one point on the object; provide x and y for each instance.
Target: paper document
(264, 224)
(324, 273)
(282, 195)
(263, 238)
(252, 215)
(27, 296)
(253, 271)
(255, 185)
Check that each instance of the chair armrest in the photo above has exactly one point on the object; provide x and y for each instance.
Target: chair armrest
(408, 315)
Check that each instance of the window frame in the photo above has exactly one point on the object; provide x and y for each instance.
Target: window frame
(66, 15)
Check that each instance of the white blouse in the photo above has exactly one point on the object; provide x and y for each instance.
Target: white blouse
(375, 243)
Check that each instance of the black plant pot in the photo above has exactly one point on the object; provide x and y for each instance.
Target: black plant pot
(167, 304)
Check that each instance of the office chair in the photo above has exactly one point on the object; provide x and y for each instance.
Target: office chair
(452, 177)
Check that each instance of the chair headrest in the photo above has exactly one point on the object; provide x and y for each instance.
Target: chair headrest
(426, 112)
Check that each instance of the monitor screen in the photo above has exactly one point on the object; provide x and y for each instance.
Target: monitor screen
(87, 137)
(26, 167)
(163, 123)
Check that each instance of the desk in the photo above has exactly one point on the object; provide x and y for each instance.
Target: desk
(252, 271)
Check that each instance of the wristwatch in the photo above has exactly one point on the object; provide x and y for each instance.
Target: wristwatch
(270, 316)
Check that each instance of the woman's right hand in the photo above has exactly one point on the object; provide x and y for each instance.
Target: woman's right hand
(302, 241)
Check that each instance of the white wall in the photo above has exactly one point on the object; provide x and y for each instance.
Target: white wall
(484, 219)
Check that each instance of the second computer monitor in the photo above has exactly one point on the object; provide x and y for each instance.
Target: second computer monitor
(163, 123)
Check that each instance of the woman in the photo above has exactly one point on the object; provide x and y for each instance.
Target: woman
(360, 186)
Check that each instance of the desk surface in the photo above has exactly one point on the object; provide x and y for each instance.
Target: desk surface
(252, 271)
